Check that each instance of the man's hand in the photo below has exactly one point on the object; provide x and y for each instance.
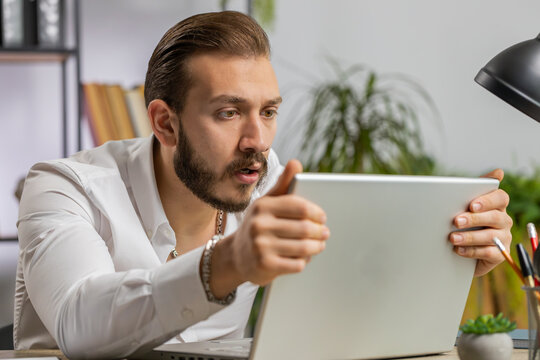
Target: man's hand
(488, 211)
(279, 234)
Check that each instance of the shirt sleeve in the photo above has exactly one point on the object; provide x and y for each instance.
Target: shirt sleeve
(91, 310)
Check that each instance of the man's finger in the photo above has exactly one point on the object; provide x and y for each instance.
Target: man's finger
(495, 200)
(478, 237)
(298, 248)
(287, 265)
(486, 253)
(305, 229)
(495, 174)
(293, 207)
(494, 219)
(292, 168)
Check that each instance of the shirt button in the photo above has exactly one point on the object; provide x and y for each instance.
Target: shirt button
(187, 314)
(149, 233)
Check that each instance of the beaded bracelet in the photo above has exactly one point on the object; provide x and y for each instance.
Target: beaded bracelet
(206, 265)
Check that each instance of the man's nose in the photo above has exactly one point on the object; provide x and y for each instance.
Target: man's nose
(254, 135)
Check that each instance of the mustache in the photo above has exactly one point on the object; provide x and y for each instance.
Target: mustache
(246, 161)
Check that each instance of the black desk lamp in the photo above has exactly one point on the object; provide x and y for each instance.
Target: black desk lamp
(514, 76)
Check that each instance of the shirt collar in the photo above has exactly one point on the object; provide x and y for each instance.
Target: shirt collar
(141, 174)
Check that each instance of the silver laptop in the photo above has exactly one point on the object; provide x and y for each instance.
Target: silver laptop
(387, 285)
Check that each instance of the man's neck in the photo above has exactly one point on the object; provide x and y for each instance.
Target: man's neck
(192, 220)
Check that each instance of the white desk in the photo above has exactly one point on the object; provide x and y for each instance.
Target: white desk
(519, 354)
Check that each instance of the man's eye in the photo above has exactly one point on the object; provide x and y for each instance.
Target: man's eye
(269, 113)
(228, 114)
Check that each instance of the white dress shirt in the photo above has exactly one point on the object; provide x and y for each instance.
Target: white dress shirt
(92, 277)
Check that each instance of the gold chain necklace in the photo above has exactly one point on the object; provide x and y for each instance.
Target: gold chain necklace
(219, 231)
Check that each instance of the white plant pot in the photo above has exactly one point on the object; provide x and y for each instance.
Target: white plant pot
(496, 346)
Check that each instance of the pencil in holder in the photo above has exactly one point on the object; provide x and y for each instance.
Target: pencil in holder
(533, 311)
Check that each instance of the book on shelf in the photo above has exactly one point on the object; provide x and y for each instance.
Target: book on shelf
(120, 113)
(12, 23)
(32, 23)
(138, 111)
(1, 25)
(50, 23)
(19, 23)
(114, 113)
(107, 109)
(98, 113)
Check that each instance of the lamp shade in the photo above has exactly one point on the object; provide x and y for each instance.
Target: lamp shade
(514, 76)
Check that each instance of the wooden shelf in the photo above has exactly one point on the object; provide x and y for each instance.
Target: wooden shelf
(14, 238)
(34, 54)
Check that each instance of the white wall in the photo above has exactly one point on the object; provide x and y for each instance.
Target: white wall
(441, 44)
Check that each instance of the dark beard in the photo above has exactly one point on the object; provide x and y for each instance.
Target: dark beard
(198, 177)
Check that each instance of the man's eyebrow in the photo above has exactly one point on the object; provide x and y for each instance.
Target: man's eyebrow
(232, 99)
(275, 101)
(227, 99)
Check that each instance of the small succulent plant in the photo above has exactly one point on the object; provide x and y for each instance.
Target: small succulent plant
(488, 324)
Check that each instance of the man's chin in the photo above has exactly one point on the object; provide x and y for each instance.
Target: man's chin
(230, 206)
(236, 202)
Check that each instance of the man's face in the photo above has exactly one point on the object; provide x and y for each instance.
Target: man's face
(226, 128)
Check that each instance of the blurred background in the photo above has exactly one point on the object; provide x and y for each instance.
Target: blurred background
(404, 69)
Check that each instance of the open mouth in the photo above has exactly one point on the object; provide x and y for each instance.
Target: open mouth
(247, 171)
(253, 168)
(250, 174)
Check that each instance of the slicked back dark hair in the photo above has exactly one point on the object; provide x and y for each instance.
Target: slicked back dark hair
(229, 32)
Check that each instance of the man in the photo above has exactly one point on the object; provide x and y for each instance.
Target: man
(119, 249)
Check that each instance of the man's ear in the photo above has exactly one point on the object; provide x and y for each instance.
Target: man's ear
(164, 122)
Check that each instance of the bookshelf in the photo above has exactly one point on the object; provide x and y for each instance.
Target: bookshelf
(68, 59)
(8, 239)
(32, 54)
(25, 55)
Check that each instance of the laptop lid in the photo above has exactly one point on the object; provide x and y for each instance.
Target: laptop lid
(388, 283)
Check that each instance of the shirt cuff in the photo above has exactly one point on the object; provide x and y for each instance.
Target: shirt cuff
(178, 294)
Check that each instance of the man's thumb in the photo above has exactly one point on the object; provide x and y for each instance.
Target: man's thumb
(495, 174)
(292, 168)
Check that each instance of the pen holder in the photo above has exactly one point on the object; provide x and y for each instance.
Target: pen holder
(533, 311)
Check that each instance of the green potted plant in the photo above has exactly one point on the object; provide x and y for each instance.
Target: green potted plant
(361, 122)
(486, 338)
